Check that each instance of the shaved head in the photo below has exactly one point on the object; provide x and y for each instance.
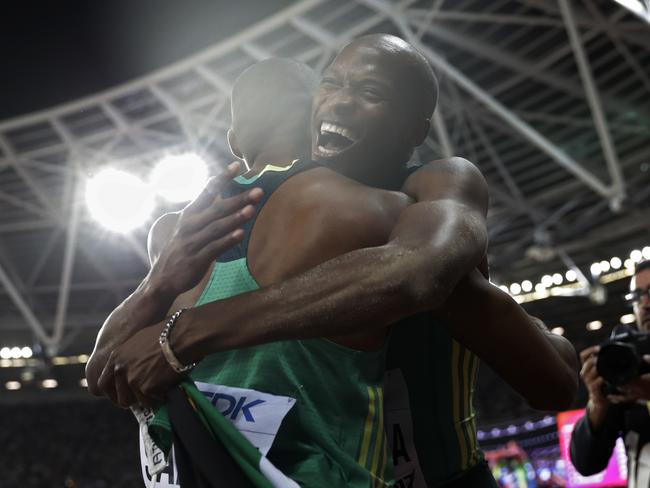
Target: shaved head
(423, 84)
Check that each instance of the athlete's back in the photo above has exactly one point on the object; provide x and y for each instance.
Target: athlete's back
(315, 216)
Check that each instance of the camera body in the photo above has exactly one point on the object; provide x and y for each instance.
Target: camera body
(620, 359)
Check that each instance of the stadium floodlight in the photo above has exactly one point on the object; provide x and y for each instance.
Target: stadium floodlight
(527, 286)
(595, 269)
(604, 266)
(118, 200)
(49, 383)
(179, 178)
(595, 325)
(646, 252)
(547, 281)
(636, 256)
(628, 318)
(616, 263)
(26, 352)
(5, 353)
(16, 352)
(557, 279)
(571, 275)
(515, 289)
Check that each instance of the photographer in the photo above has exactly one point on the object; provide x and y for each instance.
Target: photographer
(624, 413)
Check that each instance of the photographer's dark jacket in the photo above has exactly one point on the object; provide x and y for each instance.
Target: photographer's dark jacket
(590, 451)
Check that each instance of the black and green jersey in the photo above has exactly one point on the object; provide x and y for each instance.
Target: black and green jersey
(313, 407)
(431, 421)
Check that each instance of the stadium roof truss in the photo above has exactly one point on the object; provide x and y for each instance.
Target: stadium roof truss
(549, 98)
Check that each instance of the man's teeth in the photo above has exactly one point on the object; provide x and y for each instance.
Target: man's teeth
(336, 129)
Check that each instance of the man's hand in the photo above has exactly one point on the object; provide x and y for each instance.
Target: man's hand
(203, 230)
(598, 402)
(637, 389)
(137, 372)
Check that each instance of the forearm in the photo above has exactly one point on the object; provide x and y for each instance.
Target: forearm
(589, 450)
(366, 288)
(539, 366)
(147, 305)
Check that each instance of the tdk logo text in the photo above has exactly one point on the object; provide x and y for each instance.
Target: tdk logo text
(231, 406)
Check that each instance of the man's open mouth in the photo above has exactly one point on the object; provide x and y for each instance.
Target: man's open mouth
(333, 139)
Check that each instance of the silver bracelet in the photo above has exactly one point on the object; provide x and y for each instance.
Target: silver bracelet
(167, 349)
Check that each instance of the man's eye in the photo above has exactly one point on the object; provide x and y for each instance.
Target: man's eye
(373, 95)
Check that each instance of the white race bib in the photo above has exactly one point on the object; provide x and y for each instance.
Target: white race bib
(255, 414)
(399, 430)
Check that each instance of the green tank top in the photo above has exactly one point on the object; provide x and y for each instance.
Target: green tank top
(432, 376)
(333, 435)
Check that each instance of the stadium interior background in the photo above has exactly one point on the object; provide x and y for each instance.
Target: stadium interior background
(551, 99)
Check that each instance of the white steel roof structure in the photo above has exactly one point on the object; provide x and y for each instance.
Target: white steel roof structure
(549, 98)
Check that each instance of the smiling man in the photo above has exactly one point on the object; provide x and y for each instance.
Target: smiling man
(429, 236)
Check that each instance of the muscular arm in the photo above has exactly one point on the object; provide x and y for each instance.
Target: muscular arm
(147, 305)
(435, 242)
(517, 346)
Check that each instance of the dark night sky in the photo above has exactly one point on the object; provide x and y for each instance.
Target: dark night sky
(55, 51)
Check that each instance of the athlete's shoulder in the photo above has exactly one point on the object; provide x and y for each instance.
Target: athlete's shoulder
(160, 233)
(450, 178)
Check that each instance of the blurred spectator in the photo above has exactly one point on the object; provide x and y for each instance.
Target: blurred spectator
(68, 444)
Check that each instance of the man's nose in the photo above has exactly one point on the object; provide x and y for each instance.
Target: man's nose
(342, 102)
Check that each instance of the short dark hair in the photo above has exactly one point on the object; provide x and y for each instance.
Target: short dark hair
(641, 266)
(268, 93)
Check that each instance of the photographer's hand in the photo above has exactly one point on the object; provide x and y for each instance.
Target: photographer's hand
(637, 389)
(598, 402)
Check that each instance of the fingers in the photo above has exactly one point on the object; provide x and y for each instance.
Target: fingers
(219, 246)
(220, 228)
(125, 397)
(213, 188)
(589, 352)
(227, 206)
(589, 372)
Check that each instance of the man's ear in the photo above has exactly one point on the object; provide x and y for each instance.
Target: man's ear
(422, 132)
(234, 145)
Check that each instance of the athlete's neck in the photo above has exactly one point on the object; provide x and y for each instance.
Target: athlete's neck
(275, 156)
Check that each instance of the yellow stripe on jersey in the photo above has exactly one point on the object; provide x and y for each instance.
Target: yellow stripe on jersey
(367, 431)
(456, 366)
(379, 438)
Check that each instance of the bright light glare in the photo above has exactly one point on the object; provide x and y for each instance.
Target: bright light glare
(558, 330)
(5, 353)
(595, 325)
(547, 281)
(83, 382)
(49, 383)
(515, 289)
(595, 269)
(604, 266)
(571, 275)
(16, 353)
(12, 385)
(616, 263)
(636, 256)
(628, 318)
(646, 252)
(526, 285)
(26, 352)
(118, 200)
(557, 279)
(179, 178)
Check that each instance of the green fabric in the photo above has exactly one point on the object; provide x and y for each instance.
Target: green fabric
(440, 375)
(333, 435)
(242, 451)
